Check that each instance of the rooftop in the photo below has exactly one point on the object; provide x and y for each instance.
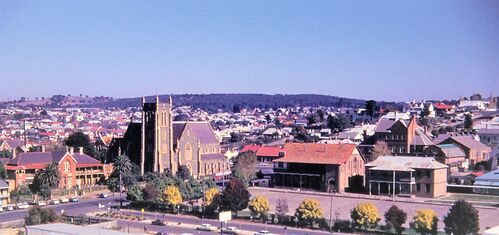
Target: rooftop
(404, 163)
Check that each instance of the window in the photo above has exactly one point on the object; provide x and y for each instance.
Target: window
(66, 166)
(427, 188)
(188, 152)
(428, 173)
(418, 187)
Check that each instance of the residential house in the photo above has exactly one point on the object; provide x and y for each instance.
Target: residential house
(444, 109)
(489, 137)
(11, 145)
(475, 151)
(487, 183)
(450, 155)
(324, 167)
(406, 176)
(4, 193)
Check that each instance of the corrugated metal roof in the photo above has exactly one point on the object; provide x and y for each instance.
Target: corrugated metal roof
(404, 163)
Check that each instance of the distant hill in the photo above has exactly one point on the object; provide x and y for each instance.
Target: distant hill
(228, 101)
(209, 102)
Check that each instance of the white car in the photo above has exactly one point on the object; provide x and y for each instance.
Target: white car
(205, 227)
(101, 205)
(64, 200)
(42, 203)
(9, 207)
(230, 230)
(55, 202)
(263, 232)
(22, 206)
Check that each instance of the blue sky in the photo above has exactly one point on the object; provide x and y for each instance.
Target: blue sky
(384, 50)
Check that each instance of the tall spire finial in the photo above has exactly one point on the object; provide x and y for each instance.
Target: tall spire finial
(170, 99)
(157, 98)
(143, 100)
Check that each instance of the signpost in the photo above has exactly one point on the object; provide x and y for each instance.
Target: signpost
(224, 216)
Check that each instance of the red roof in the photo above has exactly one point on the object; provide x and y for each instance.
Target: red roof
(269, 151)
(311, 153)
(253, 148)
(443, 106)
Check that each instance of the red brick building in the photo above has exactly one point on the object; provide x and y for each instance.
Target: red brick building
(75, 168)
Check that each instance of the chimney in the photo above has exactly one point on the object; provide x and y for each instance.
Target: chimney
(80, 149)
(14, 153)
(71, 150)
(43, 148)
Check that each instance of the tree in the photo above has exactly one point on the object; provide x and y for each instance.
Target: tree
(37, 215)
(211, 199)
(3, 172)
(281, 208)
(425, 221)
(236, 109)
(462, 219)
(371, 108)
(244, 166)
(309, 211)
(320, 113)
(135, 193)
(380, 149)
(338, 123)
(259, 206)
(49, 176)
(78, 139)
(122, 165)
(468, 122)
(171, 196)
(395, 217)
(311, 119)
(365, 216)
(235, 196)
(184, 172)
(21, 190)
(150, 193)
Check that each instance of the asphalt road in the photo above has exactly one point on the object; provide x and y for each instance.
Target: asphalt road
(172, 226)
(70, 208)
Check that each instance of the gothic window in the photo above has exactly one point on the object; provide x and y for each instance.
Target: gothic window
(66, 166)
(188, 152)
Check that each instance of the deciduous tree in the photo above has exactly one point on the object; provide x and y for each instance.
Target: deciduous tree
(281, 208)
(171, 196)
(259, 206)
(380, 149)
(425, 221)
(78, 139)
(184, 172)
(309, 211)
(244, 166)
(462, 219)
(235, 196)
(37, 215)
(395, 218)
(365, 216)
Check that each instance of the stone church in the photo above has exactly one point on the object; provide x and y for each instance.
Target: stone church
(159, 144)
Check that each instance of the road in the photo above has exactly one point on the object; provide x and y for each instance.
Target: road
(70, 208)
(173, 221)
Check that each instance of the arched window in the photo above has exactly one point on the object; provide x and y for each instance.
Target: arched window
(66, 166)
(188, 152)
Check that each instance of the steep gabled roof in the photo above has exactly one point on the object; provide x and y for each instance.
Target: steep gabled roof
(311, 153)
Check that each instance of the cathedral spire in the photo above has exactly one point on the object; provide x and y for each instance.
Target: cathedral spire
(170, 99)
(143, 100)
(157, 99)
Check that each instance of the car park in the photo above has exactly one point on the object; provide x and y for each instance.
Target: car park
(206, 227)
(158, 222)
(230, 230)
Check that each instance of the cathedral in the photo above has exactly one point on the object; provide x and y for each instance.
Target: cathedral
(159, 144)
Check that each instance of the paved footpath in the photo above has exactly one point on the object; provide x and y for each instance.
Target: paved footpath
(343, 204)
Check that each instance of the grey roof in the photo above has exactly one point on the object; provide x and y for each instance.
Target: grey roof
(383, 125)
(421, 138)
(488, 131)
(15, 143)
(489, 179)
(468, 141)
(84, 159)
(178, 128)
(70, 229)
(203, 132)
(451, 150)
(404, 163)
(4, 184)
(212, 156)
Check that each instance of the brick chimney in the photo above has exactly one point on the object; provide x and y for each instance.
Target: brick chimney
(71, 150)
(14, 153)
(80, 149)
(43, 148)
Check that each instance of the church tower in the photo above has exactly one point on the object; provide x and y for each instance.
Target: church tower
(157, 136)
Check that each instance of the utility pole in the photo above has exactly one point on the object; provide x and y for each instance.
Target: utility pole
(331, 212)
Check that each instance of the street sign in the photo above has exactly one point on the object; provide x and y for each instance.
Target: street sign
(224, 216)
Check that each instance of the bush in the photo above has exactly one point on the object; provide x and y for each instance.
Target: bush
(37, 215)
(342, 225)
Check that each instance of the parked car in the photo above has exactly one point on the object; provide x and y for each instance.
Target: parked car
(205, 227)
(55, 202)
(101, 205)
(230, 230)
(263, 232)
(10, 207)
(73, 199)
(1, 209)
(21, 206)
(103, 195)
(41, 203)
(158, 222)
(64, 200)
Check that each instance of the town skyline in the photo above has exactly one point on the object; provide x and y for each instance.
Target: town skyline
(428, 50)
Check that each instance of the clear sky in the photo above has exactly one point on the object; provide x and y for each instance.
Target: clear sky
(385, 50)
